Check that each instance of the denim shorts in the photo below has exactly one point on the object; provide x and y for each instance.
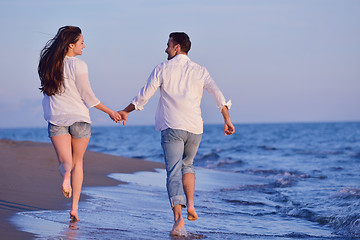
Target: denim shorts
(76, 130)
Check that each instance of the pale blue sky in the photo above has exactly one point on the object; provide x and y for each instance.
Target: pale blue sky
(278, 61)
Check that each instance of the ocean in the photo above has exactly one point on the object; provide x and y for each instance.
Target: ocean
(267, 181)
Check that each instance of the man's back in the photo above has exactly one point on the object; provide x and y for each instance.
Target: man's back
(181, 83)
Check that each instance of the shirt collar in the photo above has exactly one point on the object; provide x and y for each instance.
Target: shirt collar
(182, 56)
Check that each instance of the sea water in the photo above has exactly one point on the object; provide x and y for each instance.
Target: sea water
(267, 181)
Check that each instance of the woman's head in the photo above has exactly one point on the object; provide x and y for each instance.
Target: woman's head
(77, 47)
(65, 36)
(52, 56)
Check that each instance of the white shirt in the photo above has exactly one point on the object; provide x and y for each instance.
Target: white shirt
(181, 84)
(72, 104)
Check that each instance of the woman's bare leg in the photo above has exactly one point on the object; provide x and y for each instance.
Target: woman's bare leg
(78, 150)
(62, 145)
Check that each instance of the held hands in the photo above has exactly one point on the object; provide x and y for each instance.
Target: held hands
(124, 116)
(125, 113)
(115, 116)
(119, 116)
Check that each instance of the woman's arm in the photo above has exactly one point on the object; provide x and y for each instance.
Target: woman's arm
(115, 116)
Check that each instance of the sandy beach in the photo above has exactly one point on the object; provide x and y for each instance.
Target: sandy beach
(30, 179)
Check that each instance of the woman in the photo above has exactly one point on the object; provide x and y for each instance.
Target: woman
(67, 97)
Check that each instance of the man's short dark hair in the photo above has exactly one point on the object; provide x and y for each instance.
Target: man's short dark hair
(182, 39)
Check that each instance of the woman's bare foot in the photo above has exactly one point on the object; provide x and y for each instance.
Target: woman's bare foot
(179, 228)
(66, 185)
(192, 215)
(74, 215)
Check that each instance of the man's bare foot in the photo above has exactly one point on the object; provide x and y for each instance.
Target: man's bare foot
(192, 216)
(74, 215)
(66, 185)
(179, 228)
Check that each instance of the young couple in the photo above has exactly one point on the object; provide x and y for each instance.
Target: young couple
(68, 97)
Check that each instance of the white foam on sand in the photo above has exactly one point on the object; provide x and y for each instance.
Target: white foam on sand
(141, 210)
(206, 179)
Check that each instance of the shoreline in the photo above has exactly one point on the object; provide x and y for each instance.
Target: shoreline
(30, 180)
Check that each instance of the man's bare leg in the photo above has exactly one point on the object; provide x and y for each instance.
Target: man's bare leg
(179, 225)
(189, 189)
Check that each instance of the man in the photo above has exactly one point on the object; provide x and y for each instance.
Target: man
(178, 117)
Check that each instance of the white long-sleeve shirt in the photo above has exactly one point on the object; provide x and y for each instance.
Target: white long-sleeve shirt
(181, 84)
(73, 103)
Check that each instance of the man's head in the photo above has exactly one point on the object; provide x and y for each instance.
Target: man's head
(179, 43)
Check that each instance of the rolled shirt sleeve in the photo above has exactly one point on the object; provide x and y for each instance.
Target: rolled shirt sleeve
(214, 91)
(83, 85)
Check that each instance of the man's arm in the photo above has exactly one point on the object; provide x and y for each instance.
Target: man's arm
(229, 128)
(146, 92)
(125, 113)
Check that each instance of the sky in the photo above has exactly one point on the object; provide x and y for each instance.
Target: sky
(278, 61)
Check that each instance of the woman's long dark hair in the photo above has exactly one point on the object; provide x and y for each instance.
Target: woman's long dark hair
(52, 56)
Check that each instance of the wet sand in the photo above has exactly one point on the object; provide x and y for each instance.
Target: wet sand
(30, 180)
